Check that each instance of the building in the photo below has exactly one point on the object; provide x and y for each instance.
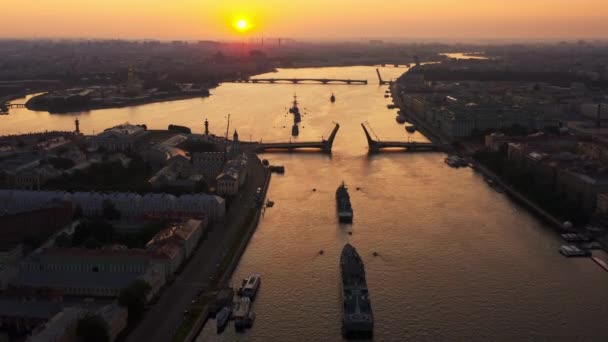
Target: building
(233, 177)
(119, 138)
(84, 272)
(115, 317)
(227, 184)
(130, 205)
(209, 164)
(19, 316)
(186, 234)
(61, 328)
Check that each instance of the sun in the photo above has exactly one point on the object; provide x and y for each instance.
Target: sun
(242, 25)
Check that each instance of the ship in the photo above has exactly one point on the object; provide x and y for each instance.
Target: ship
(357, 315)
(345, 210)
(295, 110)
(221, 319)
(295, 131)
(332, 98)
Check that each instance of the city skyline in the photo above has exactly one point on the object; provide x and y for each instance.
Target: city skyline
(404, 20)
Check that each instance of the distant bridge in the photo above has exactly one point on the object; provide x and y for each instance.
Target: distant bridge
(375, 145)
(4, 107)
(324, 145)
(299, 80)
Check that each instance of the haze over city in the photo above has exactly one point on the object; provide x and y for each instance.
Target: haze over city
(313, 19)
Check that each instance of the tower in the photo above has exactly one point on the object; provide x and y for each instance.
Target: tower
(235, 149)
(206, 126)
(77, 125)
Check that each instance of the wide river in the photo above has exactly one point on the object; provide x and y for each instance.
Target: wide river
(456, 260)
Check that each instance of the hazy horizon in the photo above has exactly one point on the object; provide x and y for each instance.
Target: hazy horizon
(404, 20)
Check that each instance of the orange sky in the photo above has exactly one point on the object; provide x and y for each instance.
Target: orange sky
(212, 19)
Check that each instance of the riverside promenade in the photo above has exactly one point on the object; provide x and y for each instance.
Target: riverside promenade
(199, 275)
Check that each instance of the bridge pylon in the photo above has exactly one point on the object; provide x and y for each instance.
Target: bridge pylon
(380, 80)
(327, 144)
(371, 143)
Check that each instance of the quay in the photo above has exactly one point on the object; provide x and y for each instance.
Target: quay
(300, 80)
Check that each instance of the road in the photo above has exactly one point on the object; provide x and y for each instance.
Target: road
(162, 321)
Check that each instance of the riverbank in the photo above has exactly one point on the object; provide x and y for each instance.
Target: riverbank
(228, 265)
(183, 303)
(40, 103)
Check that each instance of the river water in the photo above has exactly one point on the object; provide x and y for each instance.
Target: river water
(457, 261)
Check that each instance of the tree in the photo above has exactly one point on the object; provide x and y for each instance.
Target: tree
(133, 297)
(63, 240)
(109, 211)
(78, 212)
(92, 328)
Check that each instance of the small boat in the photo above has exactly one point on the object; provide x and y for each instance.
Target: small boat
(321, 252)
(295, 131)
(386, 96)
(265, 162)
(410, 128)
(400, 119)
(269, 204)
(332, 98)
(250, 286)
(276, 168)
(221, 319)
(455, 161)
(241, 313)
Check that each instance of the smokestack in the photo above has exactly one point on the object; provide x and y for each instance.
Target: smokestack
(598, 119)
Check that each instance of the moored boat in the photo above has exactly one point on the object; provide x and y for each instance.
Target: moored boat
(400, 119)
(241, 313)
(295, 131)
(221, 319)
(332, 98)
(410, 128)
(250, 286)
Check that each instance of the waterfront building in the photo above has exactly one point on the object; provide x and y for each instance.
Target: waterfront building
(119, 138)
(227, 183)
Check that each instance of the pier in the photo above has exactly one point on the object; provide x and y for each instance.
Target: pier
(375, 145)
(324, 145)
(300, 80)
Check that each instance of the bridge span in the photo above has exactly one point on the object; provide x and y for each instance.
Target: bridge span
(323, 146)
(375, 145)
(299, 80)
